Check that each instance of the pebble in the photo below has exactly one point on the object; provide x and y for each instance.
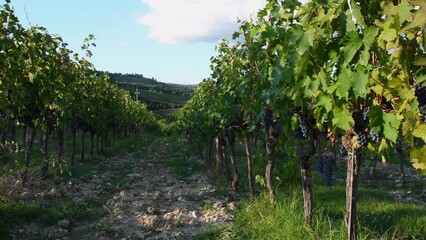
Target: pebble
(231, 206)
(218, 205)
(168, 216)
(150, 209)
(64, 224)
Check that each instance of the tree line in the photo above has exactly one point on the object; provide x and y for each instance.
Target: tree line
(46, 87)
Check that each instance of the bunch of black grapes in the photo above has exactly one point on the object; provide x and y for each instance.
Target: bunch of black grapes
(230, 133)
(277, 127)
(267, 119)
(3, 114)
(420, 93)
(376, 137)
(361, 119)
(306, 124)
(298, 134)
(303, 124)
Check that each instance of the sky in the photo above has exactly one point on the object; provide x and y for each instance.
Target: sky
(169, 40)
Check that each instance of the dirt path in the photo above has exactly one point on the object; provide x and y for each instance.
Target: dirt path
(148, 201)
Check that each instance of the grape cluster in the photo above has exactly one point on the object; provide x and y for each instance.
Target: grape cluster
(365, 112)
(3, 114)
(361, 138)
(298, 134)
(376, 137)
(267, 119)
(423, 114)
(420, 93)
(303, 124)
(361, 124)
(230, 133)
(257, 126)
(277, 128)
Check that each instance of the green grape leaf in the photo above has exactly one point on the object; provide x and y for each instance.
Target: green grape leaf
(388, 35)
(370, 34)
(420, 132)
(325, 102)
(420, 61)
(391, 126)
(376, 118)
(360, 82)
(356, 11)
(306, 41)
(418, 157)
(352, 47)
(409, 123)
(383, 145)
(364, 57)
(404, 11)
(343, 83)
(343, 119)
(350, 25)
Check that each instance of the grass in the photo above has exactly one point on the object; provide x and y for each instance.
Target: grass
(180, 157)
(379, 218)
(379, 215)
(91, 210)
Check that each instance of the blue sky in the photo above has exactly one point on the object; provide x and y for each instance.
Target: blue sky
(170, 40)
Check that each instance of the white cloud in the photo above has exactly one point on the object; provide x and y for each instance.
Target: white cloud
(188, 21)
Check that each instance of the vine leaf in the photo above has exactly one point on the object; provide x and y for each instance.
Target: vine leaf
(357, 13)
(418, 156)
(352, 47)
(376, 118)
(343, 84)
(325, 102)
(306, 40)
(420, 132)
(370, 35)
(408, 124)
(391, 126)
(360, 82)
(404, 11)
(343, 119)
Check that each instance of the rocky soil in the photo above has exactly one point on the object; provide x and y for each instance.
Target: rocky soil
(152, 204)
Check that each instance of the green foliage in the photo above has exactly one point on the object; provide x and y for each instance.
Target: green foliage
(166, 128)
(335, 55)
(156, 95)
(180, 158)
(44, 84)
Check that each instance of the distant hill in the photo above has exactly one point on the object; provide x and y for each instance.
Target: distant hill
(157, 95)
